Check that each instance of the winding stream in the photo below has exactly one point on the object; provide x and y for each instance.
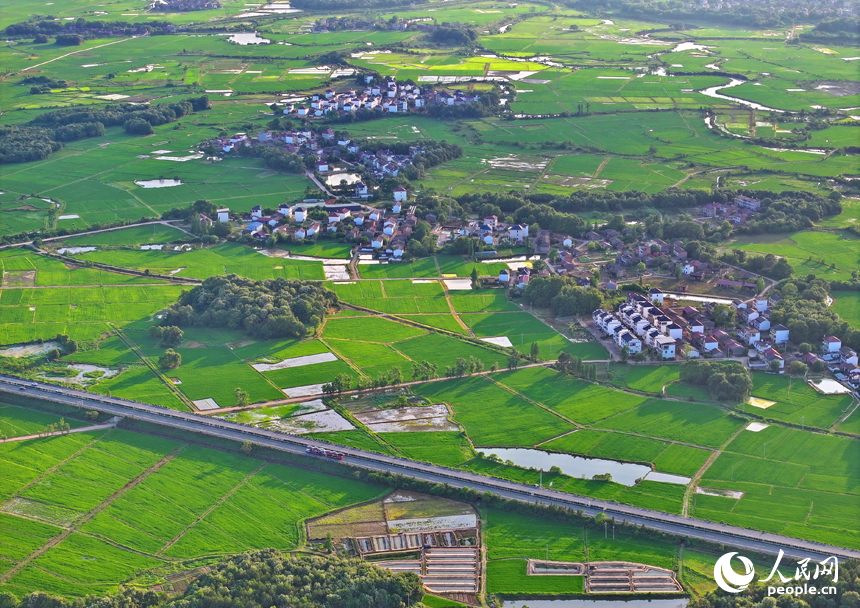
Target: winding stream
(715, 93)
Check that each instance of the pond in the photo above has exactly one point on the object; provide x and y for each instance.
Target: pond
(625, 473)
(246, 38)
(336, 178)
(158, 183)
(673, 603)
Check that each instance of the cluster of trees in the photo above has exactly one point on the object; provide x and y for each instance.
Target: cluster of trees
(185, 5)
(756, 596)
(41, 85)
(259, 579)
(424, 370)
(791, 211)
(485, 105)
(278, 159)
(192, 215)
(463, 366)
(803, 309)
(726, 381)
(435, 153)
(575, 367)
(69, 40)
(341, 383)
(563, 295)
(841, 30)
(262, 579)
(275, 308)
(453, 36)
(168, 336)
(43, 135)
(786, 211)
(767, 265)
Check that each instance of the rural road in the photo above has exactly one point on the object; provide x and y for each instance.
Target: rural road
(673, 524)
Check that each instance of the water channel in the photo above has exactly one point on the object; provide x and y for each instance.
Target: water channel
(625, 473)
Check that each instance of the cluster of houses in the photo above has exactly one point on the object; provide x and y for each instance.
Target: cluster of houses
(328, 150)
(323, 145)
(737, 212)
(385, 233)
(386, 96)
(841, 360)
(491, 231)
(645, 322)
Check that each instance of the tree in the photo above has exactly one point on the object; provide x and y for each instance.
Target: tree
(8, 600)
(170, 359)
(625, 353)
(138, 126)
(818, 366)
(474, 276)
(774, 365)
(535, 351)
(759, 285)
(679, 272)
(342, 382)
(170, 336)
(241, 397)
(247, 446)
(328, 544)
(723, 314)
(805, 347)
(797, 368)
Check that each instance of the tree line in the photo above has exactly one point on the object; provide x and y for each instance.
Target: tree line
(45, 134)
(748, 14)
(263, 579)
(270, 309)
(81, 27)
(336, 5)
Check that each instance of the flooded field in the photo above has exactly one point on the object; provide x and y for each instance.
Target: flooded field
(158, 183)
(404, 419)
